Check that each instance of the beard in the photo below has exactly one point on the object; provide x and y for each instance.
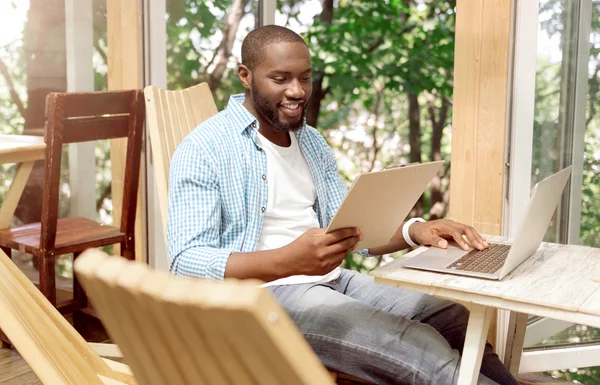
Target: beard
(271, 114)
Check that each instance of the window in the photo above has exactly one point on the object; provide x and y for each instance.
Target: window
(566, 131)
(198, 47)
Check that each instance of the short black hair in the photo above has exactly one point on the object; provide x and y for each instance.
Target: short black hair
(255, 43)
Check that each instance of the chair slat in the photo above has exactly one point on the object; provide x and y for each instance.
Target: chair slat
(142, 331)
(127, 288)
(98, 103)
(156, 123)
(242, 337)
(171, 134)
(95, 128)
(287, 341)
(175, 296)
(191, 122)
(195, 102)
(156, 130)
(206, 104)
(150, 293)
(91, 267)
(235, 300)
(214, 332)
(186, 119)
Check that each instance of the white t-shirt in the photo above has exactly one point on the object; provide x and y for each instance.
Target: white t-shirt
(290, 201)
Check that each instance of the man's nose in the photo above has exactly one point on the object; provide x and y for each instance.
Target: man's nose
(295, 90)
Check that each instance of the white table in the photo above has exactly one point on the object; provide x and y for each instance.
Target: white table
(558, 281)
(23, 150)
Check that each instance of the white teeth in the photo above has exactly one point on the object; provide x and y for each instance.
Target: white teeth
(292, 106)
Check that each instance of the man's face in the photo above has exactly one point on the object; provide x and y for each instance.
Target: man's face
(281, 85)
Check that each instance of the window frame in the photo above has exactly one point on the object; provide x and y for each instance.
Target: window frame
(526, 27)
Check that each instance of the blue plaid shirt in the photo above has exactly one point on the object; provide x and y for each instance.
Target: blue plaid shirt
(218, 190)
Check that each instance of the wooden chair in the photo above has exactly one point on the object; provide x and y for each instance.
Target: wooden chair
(171, 115)
(56, 353)
(71, 118)
(190, 331)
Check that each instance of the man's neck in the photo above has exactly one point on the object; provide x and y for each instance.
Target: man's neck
(279, 138)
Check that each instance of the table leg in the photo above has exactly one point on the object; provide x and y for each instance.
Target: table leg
(477, 329)
(14, 193)
(515, 340)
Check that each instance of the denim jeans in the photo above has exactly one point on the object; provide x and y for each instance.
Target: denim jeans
(384, 334)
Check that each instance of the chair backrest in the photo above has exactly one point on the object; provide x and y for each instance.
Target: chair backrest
(56, 353)
(83, 117)
(189, 331)
(171, 115)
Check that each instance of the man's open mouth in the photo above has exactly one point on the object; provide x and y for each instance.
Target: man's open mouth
(292, 109)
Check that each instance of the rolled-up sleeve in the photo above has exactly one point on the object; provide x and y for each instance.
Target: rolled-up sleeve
(194, 215)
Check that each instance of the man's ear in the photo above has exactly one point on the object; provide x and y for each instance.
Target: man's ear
(245, 76)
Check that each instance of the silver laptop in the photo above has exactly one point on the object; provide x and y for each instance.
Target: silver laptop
(499, 259)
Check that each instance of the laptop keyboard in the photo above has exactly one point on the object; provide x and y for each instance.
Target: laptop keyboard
(482, 261)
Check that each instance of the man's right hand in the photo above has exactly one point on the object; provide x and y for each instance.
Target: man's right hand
(317, 253)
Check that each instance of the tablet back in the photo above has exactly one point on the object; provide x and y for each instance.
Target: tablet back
(378, 202)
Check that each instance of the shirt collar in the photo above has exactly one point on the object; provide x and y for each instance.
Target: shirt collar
(242, 115)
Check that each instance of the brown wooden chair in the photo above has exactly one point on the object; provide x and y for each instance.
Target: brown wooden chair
(72, 118)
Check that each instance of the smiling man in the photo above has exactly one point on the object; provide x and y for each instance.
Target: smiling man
(251, 191)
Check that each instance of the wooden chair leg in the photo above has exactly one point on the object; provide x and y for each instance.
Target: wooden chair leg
(81, 300)
(517, 326)
(47, 276)
(7, 251)
(128, 249)
(78, 292)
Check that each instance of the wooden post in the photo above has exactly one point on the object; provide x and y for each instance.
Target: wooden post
(124, 36)
(480, 115)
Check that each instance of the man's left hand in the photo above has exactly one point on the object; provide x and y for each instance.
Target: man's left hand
(436, 233)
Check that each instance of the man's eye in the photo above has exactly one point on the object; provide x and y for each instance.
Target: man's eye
(279, 79)
(306, 78)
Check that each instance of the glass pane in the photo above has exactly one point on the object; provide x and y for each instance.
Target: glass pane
(576, 334)
(556, 65)
(32, 64)
(590, 205)
(382, 86)
(554, 127)
(197, 46)
(33, 61)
